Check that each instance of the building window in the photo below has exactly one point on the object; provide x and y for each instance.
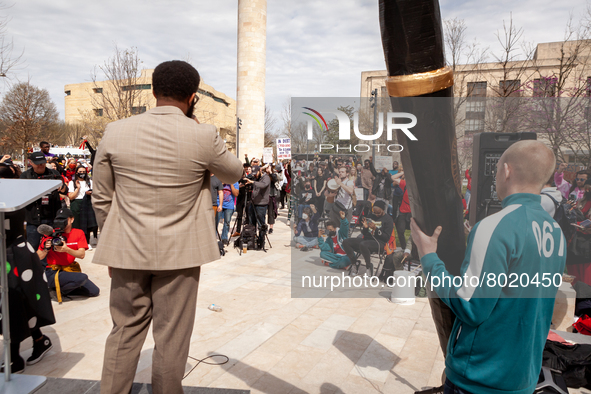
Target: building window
(68, 92)
(510, 88)
(475, 107)
(138, 110)
(98, 111)
(476, 89)
(474, 125)
(145, 86)
(544, 87)
(97, 90)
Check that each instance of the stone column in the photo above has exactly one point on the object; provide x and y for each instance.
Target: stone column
(250, 95)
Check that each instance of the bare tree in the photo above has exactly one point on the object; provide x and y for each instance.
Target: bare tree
(270, 131)
(8, 60)
(466, 60)
(121, 94)
(26, 114)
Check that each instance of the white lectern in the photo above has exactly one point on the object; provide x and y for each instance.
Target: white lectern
(14, 195)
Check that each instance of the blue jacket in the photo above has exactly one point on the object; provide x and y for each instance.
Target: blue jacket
(497, 340)
(302, 229)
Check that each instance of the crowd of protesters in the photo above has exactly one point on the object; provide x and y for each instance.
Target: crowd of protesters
(335, 196)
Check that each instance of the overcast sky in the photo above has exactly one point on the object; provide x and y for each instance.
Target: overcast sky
(314, 48)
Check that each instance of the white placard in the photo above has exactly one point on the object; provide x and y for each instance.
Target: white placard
(283, 148)
(381, 162)
(359, 193)
(268, 155)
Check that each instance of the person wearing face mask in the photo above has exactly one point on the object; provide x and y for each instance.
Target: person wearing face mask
(70, 170)
(306, 232)
(376, 232)
(306, 197)
(331, 249)
(79, 193)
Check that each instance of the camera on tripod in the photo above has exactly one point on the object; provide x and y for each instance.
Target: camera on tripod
(249, 177)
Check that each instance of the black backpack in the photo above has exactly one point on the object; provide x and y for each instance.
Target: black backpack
(565, 215)
(248, 237)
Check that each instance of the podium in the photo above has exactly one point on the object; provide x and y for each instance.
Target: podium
(16, 194)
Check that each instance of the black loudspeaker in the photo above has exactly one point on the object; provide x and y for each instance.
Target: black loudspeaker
(487, 150)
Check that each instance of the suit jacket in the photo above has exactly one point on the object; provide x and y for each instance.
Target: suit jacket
(152, 195)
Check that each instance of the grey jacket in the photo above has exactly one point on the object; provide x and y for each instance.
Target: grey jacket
(260, 191)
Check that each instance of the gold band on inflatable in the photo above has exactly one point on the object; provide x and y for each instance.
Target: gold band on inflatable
(420, 84)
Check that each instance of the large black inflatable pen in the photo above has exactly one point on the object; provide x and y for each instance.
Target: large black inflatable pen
(419, 83)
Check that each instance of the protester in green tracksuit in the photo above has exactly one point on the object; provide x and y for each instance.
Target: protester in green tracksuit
(329, 252)
(498, 337)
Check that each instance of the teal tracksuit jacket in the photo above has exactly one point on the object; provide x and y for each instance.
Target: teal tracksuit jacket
(498, 337)
(327, 247)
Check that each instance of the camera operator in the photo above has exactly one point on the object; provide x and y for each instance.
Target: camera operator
(260, 194)
(44, 209)
(63, 272)
(243, 190)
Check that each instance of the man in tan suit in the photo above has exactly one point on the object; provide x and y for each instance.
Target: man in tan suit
(153, 204)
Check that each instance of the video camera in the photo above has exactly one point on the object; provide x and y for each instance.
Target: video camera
(56, 232)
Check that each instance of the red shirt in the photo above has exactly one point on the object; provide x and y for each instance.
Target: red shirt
(75, 240)
(405, 204)
(337, 247)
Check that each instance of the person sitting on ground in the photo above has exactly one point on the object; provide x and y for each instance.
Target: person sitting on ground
(63, 272)
(331, 249)
(376, 232)
(306, 232)
(578, 186)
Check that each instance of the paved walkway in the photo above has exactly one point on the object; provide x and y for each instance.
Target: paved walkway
(276, 344)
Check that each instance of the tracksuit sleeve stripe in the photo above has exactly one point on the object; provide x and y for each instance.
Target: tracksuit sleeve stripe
(479, 248)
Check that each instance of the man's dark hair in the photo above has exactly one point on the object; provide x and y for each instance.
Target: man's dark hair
(175, 79)
(331, 223)
(43, 143)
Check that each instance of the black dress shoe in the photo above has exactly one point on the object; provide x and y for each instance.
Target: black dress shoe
(270, 231)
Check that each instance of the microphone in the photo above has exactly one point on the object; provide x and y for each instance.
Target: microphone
(45, 229)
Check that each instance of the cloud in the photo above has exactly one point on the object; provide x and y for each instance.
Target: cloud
(314, 48)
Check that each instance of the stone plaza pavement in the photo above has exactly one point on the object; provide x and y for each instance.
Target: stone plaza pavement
(276, 344)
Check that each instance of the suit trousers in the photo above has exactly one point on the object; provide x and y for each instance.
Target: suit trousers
(169, 299)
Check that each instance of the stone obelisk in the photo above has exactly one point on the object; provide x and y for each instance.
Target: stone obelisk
(250, 95)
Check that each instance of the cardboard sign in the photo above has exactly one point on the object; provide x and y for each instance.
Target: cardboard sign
(383, 161)
(283, 148)
(359, 193)
(268, 155)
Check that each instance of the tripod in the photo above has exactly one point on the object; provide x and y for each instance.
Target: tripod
(247, 209)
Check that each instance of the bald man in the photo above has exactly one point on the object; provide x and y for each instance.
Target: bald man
(498, 337)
